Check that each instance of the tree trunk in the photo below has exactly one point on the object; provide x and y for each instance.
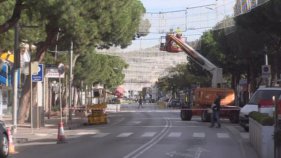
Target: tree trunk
(24, 101)
(25, 97)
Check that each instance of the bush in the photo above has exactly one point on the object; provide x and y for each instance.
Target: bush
(262, 118)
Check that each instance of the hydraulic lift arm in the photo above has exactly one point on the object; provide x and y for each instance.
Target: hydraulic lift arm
(199, 59)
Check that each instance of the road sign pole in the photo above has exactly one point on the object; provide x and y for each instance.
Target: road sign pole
(61, 71)
(31, 98)
(70, 82)
(15, 83)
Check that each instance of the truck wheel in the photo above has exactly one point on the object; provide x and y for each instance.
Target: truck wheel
(234, 117)
(205, 116)
(186, 115)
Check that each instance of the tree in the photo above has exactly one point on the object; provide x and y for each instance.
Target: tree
(89, 24)
(102, 69)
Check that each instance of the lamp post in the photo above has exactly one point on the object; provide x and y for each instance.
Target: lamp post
(61, 71)
(15, 74)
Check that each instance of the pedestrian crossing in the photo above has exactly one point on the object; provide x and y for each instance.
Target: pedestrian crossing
(199, 135)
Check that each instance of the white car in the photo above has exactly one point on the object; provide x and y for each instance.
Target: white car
(261, 101)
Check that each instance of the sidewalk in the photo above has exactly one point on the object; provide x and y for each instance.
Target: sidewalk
(24, 133)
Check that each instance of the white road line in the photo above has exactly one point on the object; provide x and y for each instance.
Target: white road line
(127, 134)
(100, 135)
(244, 135)
(148, 134)
(198, 135)
(86, 133)
(136, 122)
(174, 134)
(222, 135)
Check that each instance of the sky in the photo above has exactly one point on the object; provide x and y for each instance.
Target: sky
(193, 17)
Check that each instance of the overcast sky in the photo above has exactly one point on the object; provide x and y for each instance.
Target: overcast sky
(193, 22)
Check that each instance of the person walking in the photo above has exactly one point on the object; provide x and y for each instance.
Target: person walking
(215, 118)
(140, 102)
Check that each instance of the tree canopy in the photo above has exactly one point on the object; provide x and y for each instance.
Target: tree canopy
(88, 24)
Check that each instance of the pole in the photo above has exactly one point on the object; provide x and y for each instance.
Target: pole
(266, 59)
(31, 98)
(60, 99)
(70, 82)
(276, 126)
(15, 82)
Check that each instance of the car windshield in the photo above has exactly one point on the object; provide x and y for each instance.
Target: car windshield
(264, 95)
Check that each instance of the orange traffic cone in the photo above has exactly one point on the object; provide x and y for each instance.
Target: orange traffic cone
(61, 137)
(11, 143)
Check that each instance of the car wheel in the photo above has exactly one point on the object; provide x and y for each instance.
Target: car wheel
(4, 146)
(205, 116)
(234, 117)
(246, 129)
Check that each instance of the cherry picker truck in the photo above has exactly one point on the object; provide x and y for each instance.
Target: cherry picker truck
(201, 99)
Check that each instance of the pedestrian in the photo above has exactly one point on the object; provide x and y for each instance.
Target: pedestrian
(140, 102)
(215, 117)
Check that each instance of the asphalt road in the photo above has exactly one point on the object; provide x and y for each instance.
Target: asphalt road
(146, 133)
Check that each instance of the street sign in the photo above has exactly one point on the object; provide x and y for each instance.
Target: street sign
(38, 77)
(61, 68)
(266, 71)
(53, 72)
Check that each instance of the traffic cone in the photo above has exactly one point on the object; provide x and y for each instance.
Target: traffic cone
(11, 143)
(61, 137)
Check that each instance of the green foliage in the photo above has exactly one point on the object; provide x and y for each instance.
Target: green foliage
(262, 118)
(97, 68)
(183, 76)
(87, 23)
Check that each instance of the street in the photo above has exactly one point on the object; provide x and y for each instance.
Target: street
(145, 133)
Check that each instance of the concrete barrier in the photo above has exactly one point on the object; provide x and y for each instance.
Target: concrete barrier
(261, 137)
(113, 107)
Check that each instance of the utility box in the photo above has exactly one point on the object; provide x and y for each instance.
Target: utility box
(38, 117)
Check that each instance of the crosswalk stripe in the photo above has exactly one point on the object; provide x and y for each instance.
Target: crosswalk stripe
(174, 134)
(148, 134)
(126, 134)
(198, 135)
(100, 135)
(222, 135)
(219, 135)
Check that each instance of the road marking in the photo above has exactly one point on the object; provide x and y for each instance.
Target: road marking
(148, 134)
(100, 135)
(222, 135)
(160, 135)
(85, 133)
(174, 134)
(244, 135)
(136, 122)
(42, 134)
(127, 134)
(198, 135)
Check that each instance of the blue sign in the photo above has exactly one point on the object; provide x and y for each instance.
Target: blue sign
(40, 74)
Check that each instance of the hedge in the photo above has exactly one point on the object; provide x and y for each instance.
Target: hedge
(262, 118)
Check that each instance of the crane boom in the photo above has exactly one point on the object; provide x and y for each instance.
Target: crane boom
(199, 59)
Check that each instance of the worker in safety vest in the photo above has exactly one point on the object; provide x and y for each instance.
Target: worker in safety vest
(178, 32)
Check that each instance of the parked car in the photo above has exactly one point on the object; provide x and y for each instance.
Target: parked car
(174, 103)
(4, 141)
(260, 101)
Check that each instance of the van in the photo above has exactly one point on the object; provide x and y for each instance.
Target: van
(260, 101)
